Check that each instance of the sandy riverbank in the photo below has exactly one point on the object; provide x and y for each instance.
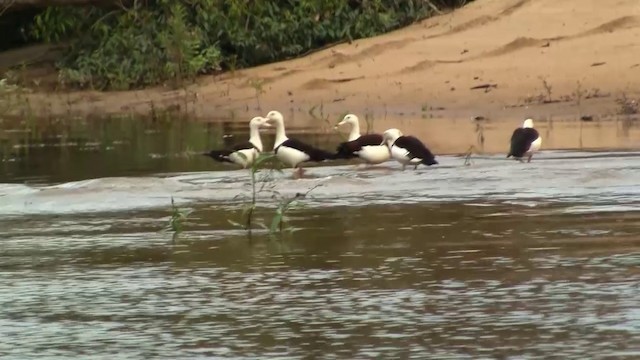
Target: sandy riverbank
(544, 59)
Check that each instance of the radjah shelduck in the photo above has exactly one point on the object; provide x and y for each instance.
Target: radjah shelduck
(525, 141)
(368, 147)
(292, 152)
(407, 150)
(243, 154)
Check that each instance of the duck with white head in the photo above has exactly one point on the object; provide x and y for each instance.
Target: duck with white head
(245, 153)
(407, 149)
(293, 152)
(368, 147)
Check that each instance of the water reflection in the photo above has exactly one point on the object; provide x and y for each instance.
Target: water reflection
(59, 150)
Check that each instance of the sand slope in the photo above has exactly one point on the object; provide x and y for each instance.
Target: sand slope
(511, 43)
(427, 69)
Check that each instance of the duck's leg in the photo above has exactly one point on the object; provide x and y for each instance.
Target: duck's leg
(529, 159)
(404, 166)
(416, 167)
(298, 172)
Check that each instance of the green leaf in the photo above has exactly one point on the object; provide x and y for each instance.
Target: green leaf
(262, 158)
(242, 155)
(275, 223)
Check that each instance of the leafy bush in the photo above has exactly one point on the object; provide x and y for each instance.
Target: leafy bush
(122, 49)
(175, 40)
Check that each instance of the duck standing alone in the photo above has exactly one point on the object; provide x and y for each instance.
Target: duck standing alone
(525, 141)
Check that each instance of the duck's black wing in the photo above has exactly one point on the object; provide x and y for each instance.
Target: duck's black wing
(223, 155)
(314, 153)
(521, 140)
(244, 146)
(416, 149)
(347, 149)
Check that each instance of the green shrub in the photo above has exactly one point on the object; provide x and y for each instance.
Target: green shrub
(172, 41)
(126, 49)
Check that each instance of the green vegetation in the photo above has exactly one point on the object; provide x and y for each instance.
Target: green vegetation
(258, 185)
(262, 183)
(178, 217)
(171, 41)
(284, 205)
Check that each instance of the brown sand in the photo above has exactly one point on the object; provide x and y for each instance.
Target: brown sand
(419, 78)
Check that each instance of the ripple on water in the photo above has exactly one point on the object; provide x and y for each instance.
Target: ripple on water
(345, 311)
(499, 274)
(489, 179)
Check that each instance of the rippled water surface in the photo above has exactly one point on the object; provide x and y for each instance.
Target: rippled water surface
(493, 260)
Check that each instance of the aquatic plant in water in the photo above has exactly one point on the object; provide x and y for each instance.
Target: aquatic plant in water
(266, 184)
(248, 210)
(284, 205)
(178, 216)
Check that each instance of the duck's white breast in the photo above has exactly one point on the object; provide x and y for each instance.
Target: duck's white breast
(402, 155)
(535, 146)
(246, 160)
(375, 154)
(291, 156)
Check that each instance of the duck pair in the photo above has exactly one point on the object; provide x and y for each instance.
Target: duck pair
(372, 148)
(291, 152)
(376, 148)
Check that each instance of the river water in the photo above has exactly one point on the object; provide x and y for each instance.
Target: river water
(494, 259)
